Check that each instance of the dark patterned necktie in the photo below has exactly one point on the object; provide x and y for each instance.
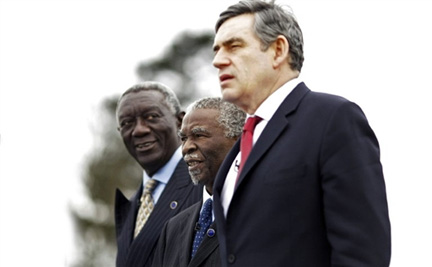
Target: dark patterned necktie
(205, 219)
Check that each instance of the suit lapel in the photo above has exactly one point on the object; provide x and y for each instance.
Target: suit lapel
(187, 232)
(277, 124)
(225, 167)
(206, 248)
(169, 203)
(125, 211)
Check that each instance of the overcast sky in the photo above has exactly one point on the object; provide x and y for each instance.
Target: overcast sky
(59, 59)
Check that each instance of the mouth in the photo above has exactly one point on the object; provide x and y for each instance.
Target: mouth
(144, 145)
(225, 77)
(194, 165)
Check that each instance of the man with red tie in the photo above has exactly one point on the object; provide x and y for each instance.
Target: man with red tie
(311, 192)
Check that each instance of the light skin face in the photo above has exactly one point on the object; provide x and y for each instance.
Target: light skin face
(148, 128)
(204, 145)
(247, 74)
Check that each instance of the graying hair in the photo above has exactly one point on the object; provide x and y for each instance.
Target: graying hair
(231, 117)
(170, 97)
(271, 20)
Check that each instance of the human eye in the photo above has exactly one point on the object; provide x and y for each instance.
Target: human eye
(151, 117)
(235, 44)
(200, 133)
(182, 137)
(126, 123)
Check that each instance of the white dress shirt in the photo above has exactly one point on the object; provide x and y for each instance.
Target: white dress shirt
(266, 111)
(164, 174)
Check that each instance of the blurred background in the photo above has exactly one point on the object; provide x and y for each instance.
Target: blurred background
(64, 63)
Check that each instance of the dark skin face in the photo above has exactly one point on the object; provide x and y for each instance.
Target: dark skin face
(148, 128)
(204, 145)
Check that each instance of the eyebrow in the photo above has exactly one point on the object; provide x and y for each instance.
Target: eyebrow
(228, 43)
(195, 130)
(199, 130)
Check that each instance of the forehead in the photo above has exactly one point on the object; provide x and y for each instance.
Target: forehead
(204, 118)
(235, 27)
(142, 99)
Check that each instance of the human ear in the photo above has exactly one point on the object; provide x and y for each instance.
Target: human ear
(180, 117)
(281, 50)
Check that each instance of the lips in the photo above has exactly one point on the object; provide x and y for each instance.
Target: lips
(194, 167)
(193, 162)
(225, 77)
(142, 146)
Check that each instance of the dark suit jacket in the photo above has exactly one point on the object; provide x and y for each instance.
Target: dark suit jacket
(175, 243)
(311, 193)
(138, 252)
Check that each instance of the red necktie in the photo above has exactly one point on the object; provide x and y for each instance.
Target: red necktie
(246, 140)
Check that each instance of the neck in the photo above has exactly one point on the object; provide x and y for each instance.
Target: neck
(252, 106)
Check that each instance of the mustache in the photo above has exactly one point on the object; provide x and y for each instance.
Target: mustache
(190, 156)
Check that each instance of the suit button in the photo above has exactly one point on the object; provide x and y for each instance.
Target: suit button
(231, 258)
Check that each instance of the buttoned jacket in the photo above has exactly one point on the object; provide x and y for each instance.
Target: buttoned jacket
(311, 193)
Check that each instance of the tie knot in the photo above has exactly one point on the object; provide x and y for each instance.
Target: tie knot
(150, 186)
(251, 122)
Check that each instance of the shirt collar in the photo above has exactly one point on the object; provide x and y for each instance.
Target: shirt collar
(164, 174)
(273, 101)
(206, 195)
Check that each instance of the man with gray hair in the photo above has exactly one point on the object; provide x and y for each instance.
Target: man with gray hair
(210, 128)
(309, 190)
(149, 117)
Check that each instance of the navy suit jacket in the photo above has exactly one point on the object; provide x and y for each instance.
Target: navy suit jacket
(175, 243)
(179, 194)
(312, 192)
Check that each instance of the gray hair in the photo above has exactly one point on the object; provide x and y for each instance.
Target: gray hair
(170, 97)
(231, 117)
(271, 20)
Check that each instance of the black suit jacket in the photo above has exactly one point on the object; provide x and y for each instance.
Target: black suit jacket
(175, 243)
(138, 252)
(311, 193)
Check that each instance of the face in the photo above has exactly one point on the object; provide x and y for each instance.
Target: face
(245, 71)
(204, 145)
(148, 128)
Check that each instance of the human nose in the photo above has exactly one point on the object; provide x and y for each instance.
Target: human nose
(140, 127)
(188, 146)
(220, 59)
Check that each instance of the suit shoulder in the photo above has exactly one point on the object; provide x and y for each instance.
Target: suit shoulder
(329, 103)
(326, 98)
(186, 213)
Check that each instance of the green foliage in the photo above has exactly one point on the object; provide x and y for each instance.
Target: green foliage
(180, 67)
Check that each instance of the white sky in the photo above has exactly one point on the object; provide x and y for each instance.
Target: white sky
(59, 59)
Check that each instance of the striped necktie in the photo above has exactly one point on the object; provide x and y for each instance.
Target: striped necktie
(146, 206)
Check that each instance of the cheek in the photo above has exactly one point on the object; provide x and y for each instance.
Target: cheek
(216, 159)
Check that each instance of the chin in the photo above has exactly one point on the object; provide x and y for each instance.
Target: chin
(195, 180)
(229, 96)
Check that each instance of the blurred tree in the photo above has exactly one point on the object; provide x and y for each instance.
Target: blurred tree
(184, 66)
